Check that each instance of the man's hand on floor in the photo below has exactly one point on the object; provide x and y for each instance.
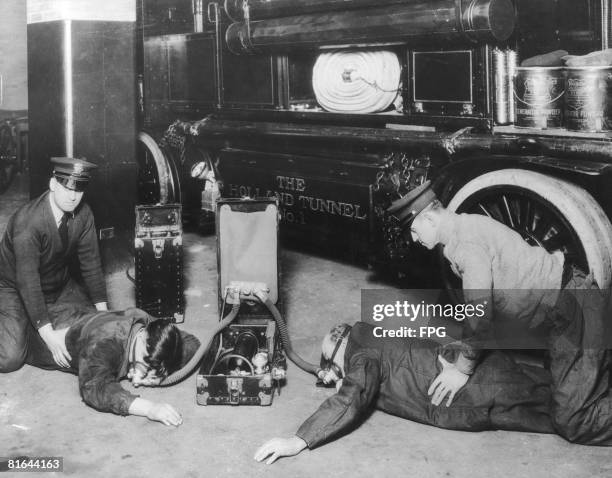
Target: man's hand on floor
(165, 413)
(56, 343)
(158, 412)
(278, 447)
(448, 382)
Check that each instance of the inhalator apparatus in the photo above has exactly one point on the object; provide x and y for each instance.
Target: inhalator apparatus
(243, 361)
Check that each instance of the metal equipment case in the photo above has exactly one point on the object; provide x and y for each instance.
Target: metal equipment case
(247, 253)
(159, 260)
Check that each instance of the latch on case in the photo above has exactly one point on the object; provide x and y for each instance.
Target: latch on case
(234, 387)
(158, 247)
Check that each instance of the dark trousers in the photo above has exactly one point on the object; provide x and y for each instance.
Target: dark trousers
(580, 364)
(19, 341)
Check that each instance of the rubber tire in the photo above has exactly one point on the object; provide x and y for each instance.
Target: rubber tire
(580, 209)
(167, 182)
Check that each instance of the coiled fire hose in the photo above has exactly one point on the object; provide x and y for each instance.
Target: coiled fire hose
(356, 81)
(205, 345)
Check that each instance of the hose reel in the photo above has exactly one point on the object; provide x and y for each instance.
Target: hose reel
(367, 81)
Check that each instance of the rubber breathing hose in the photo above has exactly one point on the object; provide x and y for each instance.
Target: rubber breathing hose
(225, 358)
(282, 328)
(202, 349)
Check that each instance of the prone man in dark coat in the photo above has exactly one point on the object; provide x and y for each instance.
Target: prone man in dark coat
(40, 241)
(394, 375)
(107, 347)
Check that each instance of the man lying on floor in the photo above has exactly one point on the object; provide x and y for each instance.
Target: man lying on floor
(396, 376)
(105, 347)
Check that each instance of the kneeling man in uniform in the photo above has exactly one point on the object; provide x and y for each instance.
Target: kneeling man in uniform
(41, 239)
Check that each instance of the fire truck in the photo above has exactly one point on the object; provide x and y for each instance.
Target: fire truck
(337, 107)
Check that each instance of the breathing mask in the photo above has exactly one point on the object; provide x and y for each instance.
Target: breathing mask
(328, 366)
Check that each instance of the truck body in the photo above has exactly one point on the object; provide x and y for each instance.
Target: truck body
(230, 107)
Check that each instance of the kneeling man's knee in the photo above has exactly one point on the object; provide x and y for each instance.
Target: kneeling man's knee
(10, 365)
(11, 358)
(571, 426)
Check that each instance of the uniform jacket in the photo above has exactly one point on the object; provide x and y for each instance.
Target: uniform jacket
(33, 262)
(519, 283)
(394, 375)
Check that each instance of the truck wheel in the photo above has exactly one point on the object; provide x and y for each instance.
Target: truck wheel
(157, 177)
(546, 211)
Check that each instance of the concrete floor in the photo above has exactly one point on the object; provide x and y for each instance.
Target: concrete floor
(41, 413)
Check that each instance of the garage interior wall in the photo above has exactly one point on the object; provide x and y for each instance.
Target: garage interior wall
(13, 55)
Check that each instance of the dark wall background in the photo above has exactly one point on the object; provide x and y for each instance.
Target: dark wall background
(104, 111)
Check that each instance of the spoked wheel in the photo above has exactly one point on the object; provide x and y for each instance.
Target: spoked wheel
(157, 178)
(535, 219)
(545, 211)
